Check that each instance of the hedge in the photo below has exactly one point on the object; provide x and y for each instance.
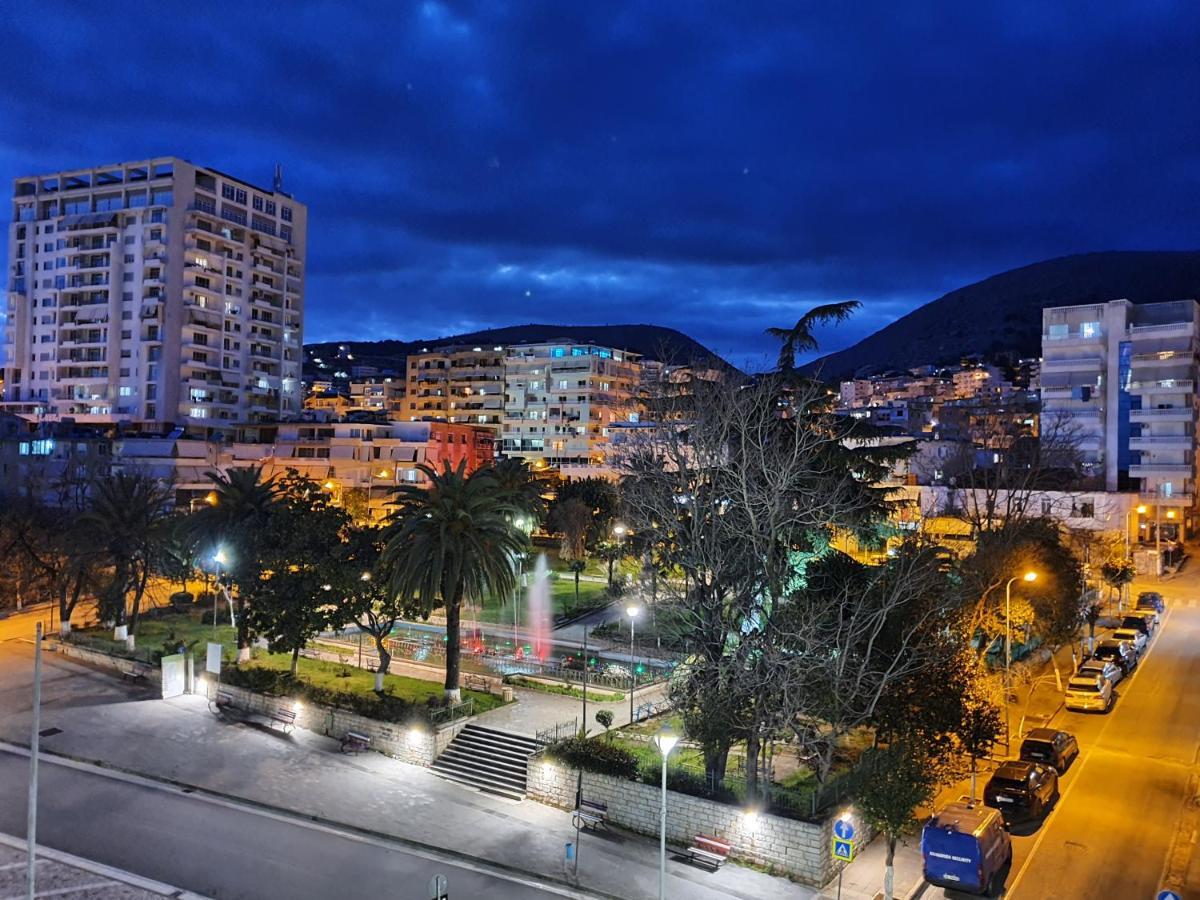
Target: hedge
(595, 755)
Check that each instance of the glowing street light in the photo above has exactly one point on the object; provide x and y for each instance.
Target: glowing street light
(1028, 576)
(666, 741)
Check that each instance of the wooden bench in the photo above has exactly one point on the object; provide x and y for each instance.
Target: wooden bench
(284, 718)
(475, 682)
(355, 742)
(136, 672)
(709, 851)
(590, 814)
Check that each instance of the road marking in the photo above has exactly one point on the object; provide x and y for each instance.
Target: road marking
(1084, 760)
(347, 832)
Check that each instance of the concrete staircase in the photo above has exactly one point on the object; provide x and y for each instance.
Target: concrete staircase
(487, 760)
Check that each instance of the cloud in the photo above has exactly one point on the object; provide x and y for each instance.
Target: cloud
(712, 171)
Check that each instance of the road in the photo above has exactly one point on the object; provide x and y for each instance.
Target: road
(1122, 811)
(222, 849)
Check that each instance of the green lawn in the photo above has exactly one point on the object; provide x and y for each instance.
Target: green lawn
(562, 601)
(593, 694)
(347, 679)
(163, 634)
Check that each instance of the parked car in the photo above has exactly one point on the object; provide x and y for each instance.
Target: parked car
(1022, 790)
(965, 847)
(1151, 600)
(1146, 619)
(1089, 692)
(1119, 652)
(1051, 747)
(1105, 668)
(1135, 637)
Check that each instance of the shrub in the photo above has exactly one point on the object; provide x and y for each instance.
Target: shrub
(592, 755)
(384, 707)
(605, 718)
(181, 597)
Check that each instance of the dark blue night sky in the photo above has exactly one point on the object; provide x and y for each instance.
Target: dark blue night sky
(716, 168)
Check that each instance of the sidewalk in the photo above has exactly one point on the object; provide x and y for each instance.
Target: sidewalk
(60, 874)
(181, 741)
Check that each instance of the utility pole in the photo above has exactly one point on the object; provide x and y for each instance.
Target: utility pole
(31, 813)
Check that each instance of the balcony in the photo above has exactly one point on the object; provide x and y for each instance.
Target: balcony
(1077, 363)
(1161, 470)
(1163, 442)
(1169, 329)
(1165, 386)
(1170, 414)
(1072, 338)
(1166, 499)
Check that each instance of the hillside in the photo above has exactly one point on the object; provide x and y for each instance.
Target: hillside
(653, 341)
(1003, 313)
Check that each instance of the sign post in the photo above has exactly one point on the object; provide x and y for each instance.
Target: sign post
(843, 847)
(438, 888)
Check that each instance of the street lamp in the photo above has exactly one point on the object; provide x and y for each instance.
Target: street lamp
(1028, 576)
(632, 612)
(666, 741)
(219, 558)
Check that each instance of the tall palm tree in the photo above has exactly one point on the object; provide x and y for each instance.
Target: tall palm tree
(127, 512)
(800, 338)
(518, 484)
(453, 539)
(235, 524)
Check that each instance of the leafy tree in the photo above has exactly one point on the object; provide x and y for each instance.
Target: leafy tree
(577, 566)
(800, 338)
(598, 495)
(453, 539)
(895, 780)
(572, 519)
(1116, 574)
(237, 524)
(371, 602)
(519, 487)
(127, 512)
(305, 575)
(605, 718)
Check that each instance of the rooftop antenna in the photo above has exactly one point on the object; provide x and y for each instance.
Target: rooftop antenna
(278, 183)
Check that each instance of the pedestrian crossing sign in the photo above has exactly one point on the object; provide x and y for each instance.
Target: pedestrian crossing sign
(843, 849)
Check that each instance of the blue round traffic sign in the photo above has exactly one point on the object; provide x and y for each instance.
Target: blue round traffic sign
(844, 830)
(1168, 895)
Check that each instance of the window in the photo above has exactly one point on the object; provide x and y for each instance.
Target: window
(286, 213)
(124, 390)
(258, 202)
(129, 257)
(270, 207)
(558, 352)
(227, 191)
(285, 232)
(1089, 329)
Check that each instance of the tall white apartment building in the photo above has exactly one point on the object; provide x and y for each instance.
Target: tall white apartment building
(561, 401)
(1124, 376)
(155, 292)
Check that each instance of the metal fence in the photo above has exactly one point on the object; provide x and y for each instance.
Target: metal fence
(558, 731)
(444, 715)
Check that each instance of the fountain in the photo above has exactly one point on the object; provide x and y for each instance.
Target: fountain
(538, 609)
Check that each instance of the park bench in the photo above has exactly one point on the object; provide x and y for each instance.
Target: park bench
(284, 718)
(135, 672)
(355, 742)
(590, 814)
(475, 682)
(709, 851)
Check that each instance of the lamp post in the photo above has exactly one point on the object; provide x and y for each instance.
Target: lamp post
(632, 612)
(1028, 576)
(620, 531)
(219, 559)
(666, 742)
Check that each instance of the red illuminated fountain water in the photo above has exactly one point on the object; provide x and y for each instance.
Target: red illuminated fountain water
(538, 606)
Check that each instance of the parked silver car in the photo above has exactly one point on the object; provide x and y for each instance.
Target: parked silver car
(1136, 638)
(1105, 668)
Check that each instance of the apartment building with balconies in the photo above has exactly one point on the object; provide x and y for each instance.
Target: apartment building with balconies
(1123, 376)
(561, 401)
(456, 384)
(155, 292)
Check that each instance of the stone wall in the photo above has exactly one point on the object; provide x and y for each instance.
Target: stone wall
(419, 745)
(800, 849)
(104, 660)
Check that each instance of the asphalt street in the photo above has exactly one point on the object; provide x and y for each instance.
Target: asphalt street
(1123, 813)
(221, 849)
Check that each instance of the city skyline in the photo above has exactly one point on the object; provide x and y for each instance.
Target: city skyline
(466, 168)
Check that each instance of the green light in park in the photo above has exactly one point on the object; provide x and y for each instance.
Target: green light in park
(592, 661)
(640, 668)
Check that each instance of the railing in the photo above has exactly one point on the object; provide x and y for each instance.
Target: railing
(444, 715)
(1167, 326)
(558, 731)
(1160, 413)
(1167, 384)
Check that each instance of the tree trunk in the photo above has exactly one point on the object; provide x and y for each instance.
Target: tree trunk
(385, 660)
(577, 589)
(453, 617)
(243, 630)
(138, 592)
(611, 559)
(295, 660)
(752, 766)
(889, 872)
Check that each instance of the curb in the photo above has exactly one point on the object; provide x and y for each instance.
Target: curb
(283, 812)
(87, 865)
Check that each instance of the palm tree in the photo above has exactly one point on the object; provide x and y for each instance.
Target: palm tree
(453, 539)
(800, 339)
(235, 523)
(519, 485)
(127, 513)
